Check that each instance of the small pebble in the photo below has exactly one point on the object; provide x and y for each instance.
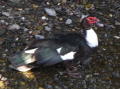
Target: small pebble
(100, 24)
(64, 1)
(59, 4)
(4, 55)
(117, 23)
(6, 50)
(68, 21)
(48, 3)
(84, 84)
(23, 18)
(110, 15)
(56, 1)
(44, 18)
(30, 32)
(3, 79)
(2, 21)
(45, 24)
(104, 49)
(88, 76)
(38, 37)
(17, 39)
(20, 9)
(26, 29)
(96, 74)
(82, 17)
(117, 37)
(15, 1)
(116, 74)
(14, 26)
(57, 87)
(2, 41)
(47, 28)
(48, 86)
(60, 19)
(6, 14)
(35, 6)
(50, 12)
(2, 31)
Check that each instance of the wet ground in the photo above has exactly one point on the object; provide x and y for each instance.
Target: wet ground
(20, 20)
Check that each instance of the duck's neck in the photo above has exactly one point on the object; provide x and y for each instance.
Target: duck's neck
(91, 38)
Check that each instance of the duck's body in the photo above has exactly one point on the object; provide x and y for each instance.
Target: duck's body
(48, 52)
(61, 48)
(45, 53)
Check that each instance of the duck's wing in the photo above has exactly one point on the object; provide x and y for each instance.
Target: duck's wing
(47, 56)
(73, 39)
(40, 43)
(57, 39)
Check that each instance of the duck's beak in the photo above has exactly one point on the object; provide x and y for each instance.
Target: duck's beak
(99, 24)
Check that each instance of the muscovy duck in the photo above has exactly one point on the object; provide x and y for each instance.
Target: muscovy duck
(62, 47)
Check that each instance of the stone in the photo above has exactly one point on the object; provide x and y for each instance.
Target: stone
(2, 31)
(3, 79)
(116, 74)
(48, 86)
(117, 23)
(23, 18)
(68, 21)
(14, 26)
(117, 37)
(64, 1)
(39, 37)
(15, 1)
(47, 28)
(57, 87)
(39, 1)
(2, 41)
(2, 21)
(44, 18)
(50, 11)
(82, 17)
(6, 14)
(26, 29)
(56, 1)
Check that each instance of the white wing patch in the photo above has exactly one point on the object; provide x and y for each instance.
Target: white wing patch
(91, 38)
(68, 56)
(31, 50)
(59, 49)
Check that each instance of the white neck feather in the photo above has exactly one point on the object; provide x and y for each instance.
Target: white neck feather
(91, 38)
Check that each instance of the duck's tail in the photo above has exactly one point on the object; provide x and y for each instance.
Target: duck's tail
(20, 61)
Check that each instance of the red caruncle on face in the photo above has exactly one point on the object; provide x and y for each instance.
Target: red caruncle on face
(92, 20)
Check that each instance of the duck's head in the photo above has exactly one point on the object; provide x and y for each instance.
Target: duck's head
(89, 22)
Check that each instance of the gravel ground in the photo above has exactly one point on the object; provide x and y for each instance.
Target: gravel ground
(22, 20)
